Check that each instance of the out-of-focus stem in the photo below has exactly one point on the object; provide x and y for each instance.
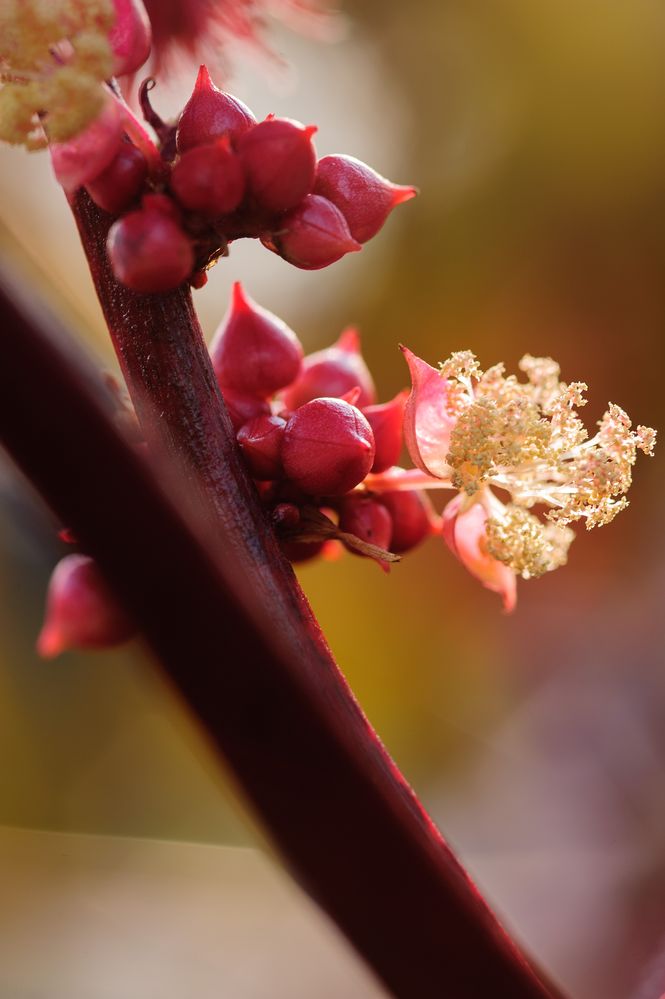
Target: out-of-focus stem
(237, 639)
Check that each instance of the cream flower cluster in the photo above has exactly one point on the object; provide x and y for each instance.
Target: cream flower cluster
(479, 431)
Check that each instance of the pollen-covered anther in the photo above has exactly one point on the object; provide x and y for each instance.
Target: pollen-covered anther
(521, 541)
(527, 438)
(53, 59)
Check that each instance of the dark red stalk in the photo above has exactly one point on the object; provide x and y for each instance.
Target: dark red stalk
(237, 639)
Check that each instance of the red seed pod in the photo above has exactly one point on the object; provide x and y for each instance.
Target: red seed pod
(260, 441)
(367, 519)
(242, 408)
(333, 371)
(80, 611)
(120, 184)
(208, 179)
(328, 447)
(413, 518)
(210, 114)
(253, 351)
(312, 235)
(386, 420)
(363, 196)
(148, 250)
(279, 160)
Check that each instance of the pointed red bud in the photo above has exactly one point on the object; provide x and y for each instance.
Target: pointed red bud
(413, 518)
(130, 37)
(260, 441)
(279, 161)
(210, 114)
(80, 611)
(313, 235)
(208, 179)
(242, 407)
(386, 420)
(253, 351)
(81, 159)
(120, 184)
(333, 372)
(148, 250)
(328, 447)
(367, 519)
(363, 196)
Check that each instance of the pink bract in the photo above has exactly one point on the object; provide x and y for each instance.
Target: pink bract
(465, 533)
(83, 158)
(428, 423)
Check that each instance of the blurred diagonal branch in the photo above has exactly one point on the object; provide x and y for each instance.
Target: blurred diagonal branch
(225, 617)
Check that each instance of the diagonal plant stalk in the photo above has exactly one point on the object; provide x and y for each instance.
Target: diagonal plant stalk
(235, 635)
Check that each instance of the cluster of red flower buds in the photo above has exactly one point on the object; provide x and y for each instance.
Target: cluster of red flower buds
(316, 443)
(220, 175)
(312, 436)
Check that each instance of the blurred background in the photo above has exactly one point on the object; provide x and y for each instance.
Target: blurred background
(536, 133)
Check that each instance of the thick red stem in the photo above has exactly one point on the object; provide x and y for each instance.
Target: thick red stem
(237, 639)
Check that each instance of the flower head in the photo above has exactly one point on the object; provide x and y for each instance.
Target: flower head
(478, 430)
(54, 59)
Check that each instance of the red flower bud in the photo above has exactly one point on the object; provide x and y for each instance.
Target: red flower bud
(208, 179)
(386, 421)
(210, 114)
(260, 441)
(413, 518)
(328, 447)
(148, 250)
(120, 184)
(279, 160)
(367, 519)
(333, 372)
(363, 196)
(312, 235)
(130, 37)
(242, 408)
(253, 351)
(80, 611)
